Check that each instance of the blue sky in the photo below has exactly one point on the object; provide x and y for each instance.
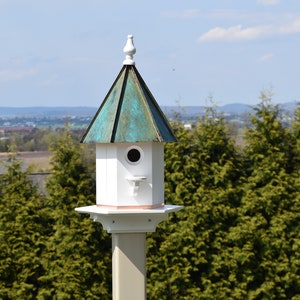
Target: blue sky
(69, 52)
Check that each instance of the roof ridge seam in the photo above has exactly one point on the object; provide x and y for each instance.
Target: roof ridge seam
(120, 103)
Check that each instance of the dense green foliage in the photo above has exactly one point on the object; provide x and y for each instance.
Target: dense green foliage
(77, 257)
(23, 232)
(238, 236)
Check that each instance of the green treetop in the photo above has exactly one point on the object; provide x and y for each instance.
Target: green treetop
(77, 259)
(266, 239)
(23, 232)
(202, 173)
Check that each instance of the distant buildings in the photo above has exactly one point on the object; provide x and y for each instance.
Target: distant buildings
(17, 129)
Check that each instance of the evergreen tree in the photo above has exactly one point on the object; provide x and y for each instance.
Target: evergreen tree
(296, 135)
(238, 236)
(202, 173)
(22, 233)
(78, 252)
(266, 240)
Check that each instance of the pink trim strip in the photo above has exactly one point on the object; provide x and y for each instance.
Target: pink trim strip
(132, 207)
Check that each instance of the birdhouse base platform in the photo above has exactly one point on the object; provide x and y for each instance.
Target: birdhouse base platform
(128, 220)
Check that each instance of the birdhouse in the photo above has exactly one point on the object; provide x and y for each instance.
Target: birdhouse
(129, 130)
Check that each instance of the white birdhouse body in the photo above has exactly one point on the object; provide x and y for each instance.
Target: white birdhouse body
(130, 175)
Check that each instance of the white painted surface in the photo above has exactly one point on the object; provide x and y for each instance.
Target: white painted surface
(129, 266)
(129, 50)
(128, 220)
(114, 171)
(135, 182)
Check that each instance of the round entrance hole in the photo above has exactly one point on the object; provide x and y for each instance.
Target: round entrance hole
(133, 155)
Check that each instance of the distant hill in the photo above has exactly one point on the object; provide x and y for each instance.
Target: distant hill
(184, 111)
(47, 111)
(235, 108)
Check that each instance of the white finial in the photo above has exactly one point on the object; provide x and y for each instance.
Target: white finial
(129, 50)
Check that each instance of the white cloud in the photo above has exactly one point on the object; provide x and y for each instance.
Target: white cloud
(10, 74)
(265, 57)
(293, 27)
(235, 33)
(268, 2)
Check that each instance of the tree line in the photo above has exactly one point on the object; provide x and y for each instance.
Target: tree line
(37, 139)
(238, 236)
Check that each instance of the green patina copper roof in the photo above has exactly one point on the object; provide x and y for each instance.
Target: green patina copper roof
(129, 113)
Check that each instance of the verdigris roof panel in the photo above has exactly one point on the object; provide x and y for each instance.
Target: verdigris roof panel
(129, 113)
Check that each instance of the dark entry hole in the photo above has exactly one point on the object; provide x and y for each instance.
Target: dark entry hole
(133, 155)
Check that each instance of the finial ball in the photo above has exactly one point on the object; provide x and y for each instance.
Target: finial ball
(129, 51)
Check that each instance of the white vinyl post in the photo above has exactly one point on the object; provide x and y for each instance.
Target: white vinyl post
(129, 266)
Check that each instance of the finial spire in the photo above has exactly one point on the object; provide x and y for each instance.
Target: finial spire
(129, 50)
